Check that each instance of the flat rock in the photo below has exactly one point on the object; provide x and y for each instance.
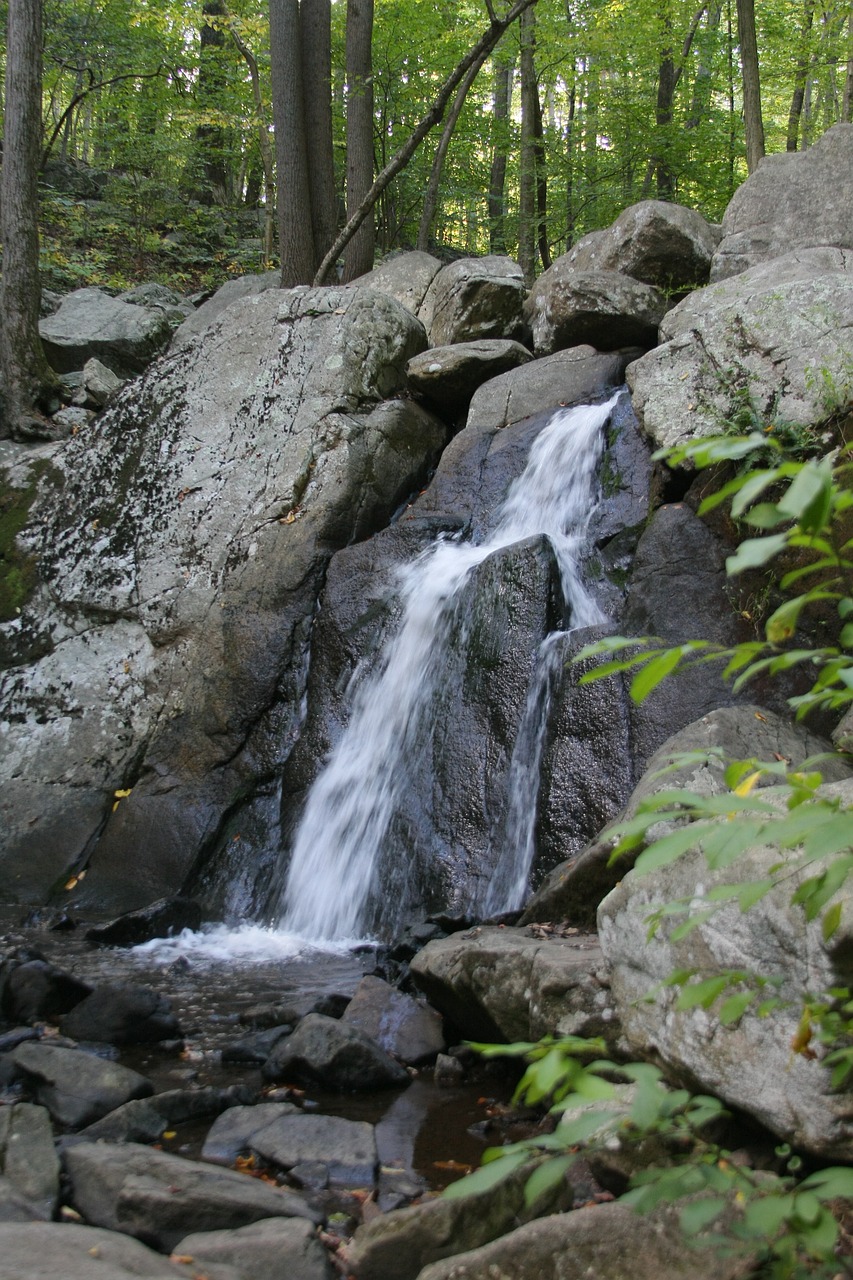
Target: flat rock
(28, 1162)
(161, 1198)
(346, 1147)
(604, 309)
(232, 1133)
(88, 322)
(497, 983)
(272, 1249)
(66, 1251)
(402, 1026)
(322, 1051)
(76, 1087)
(449, 376)
(474, 298)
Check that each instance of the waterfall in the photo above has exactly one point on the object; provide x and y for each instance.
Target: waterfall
(334, 862)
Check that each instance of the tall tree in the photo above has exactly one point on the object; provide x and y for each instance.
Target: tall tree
(752, 118)
(801, 74)
(503, 64)
(29, 384)
(296, 235)
(527, 207)
(358, 257)
(213, 188)
(316, 31)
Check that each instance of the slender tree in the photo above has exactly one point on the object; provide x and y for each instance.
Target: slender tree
(359, 252)
(752, 120)
(316, 31)
(527, 179)
(29, 384)
(296, 235)
(503, 64)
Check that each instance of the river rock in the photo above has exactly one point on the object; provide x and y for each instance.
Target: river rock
(146, 1119)
(662, 244)
(265, 1250)
(179, 577)
(202, 317)
(161, 1198)
(323, 1051)
(50, 1250)
(347, 1148)
(604, 309)
(76, 1087)
(29, 1185)
(474, 298)
(793, 200)
(88, 322)
(35, 989)
(162, 919)
(607, 1241)
(449, 376)
(402, 1026)
(405, 277)
(122, 1014)
(398, 1245)
(497, 983)
(777, 336)
(749, 1063)
(231, 1134)
(578, 376)
(100, 384)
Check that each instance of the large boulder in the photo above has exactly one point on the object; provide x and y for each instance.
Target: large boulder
(410, 1031)
(474, 298)
(156, 669)
(576, 376)
(47, 1250)
(322, 1051)
(750, 1061)
(76, 1087)
(605, 309)
(122, 335)
(265, 1250)
(793, 200)
(659, 243)
(776, 337)
(247, 286)
(449, 376)
(406, 277)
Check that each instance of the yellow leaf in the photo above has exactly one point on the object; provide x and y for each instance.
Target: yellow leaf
(748, 784)
(122, 792)
(72, 883)
(169, 1133)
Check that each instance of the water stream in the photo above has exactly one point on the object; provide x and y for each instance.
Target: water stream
(334, 866)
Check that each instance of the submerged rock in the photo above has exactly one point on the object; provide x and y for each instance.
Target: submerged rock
(76, 1087)
(323, 1051)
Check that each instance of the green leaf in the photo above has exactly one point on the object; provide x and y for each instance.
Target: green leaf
(702, 993)
(487, 1176)
(754, 552)
(666, 850)
(734, 1007)
(835, 1183)
(653, 672)
(547, 1176)
(694, 1217)
(765, 1216)
(831, 920)
(574, 1132)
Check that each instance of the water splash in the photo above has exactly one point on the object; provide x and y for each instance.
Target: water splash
(333, 867)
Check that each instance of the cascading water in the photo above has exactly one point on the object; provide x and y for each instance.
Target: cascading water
(335, 859)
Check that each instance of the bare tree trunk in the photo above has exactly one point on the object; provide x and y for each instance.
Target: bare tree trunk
(541, 182)
(316, 17)
(29, 384)
(801, 73)
(210, 137)
(527, 162)
(664, 176)
(267, 160)
(501, 102)
(295, 231)
(570, 170)
(753, 124)
(431, 195)
(703, 83)
(358, 258)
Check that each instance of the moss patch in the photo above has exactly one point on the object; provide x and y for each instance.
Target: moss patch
(17, 567)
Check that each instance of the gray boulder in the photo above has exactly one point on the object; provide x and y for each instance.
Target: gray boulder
(88, 322)
(266, 1250)
(76, 1087)
(662, 244)
(33, 989)
(516, 984)
(449, 376)
(577, 376)
(605, 309)
(402, 1026)
(49, 1250)
(123, 1013)
(405, 277)
(322, 1051)
(175, 581)
(160, 1198)
(100, 384)
(346, 1148)
(792, 201)
(232, 1133)
(778, 335)
(749, 1062)
(202, 317)
(474, 298)
(29, 1166)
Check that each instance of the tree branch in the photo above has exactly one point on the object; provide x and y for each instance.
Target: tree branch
(84, 93)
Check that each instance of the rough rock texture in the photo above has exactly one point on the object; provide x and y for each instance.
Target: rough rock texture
(122, 1014)
(606, 309)
(778, 334)
(654, 241)
(322, 1051)
(749, 1063)
(347, 1148)
(160, 1197)
(793, 200)
(100, 384)
(29, 1185)
(403, 1027)
(449, 376)
(266, 1250)
(607, 1242)
(397, 1245)
(575, 888)
(34, 989)
(232, 291)
(49, 1250)
(513, 984)
(406, 277)
(567, 377)
(76, 1087)
(474, 298)
(161, 651)
(88, 322)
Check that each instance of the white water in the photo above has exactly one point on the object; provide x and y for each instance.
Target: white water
(336, 851)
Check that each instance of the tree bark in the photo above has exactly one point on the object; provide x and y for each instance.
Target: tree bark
(29, 384)
(527, 161)
(210, 138)
(753, 124)
(501, 102)
(847, 95)
(295, 228)
(801, 74)
(316, 26)
(358, 258)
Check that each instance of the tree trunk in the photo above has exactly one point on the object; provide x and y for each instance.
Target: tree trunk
(210, 138)
(29, 384)
(541, 183)
(316, 22)
(700, 101)
(801, 73)
(501, 102)
(527, 175)
(295, 230)
(264, 143)
(358, 258)
(753, 125)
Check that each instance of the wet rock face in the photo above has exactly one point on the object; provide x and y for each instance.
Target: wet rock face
(176, 576)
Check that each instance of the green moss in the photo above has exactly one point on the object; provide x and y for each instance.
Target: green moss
(17, 567)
